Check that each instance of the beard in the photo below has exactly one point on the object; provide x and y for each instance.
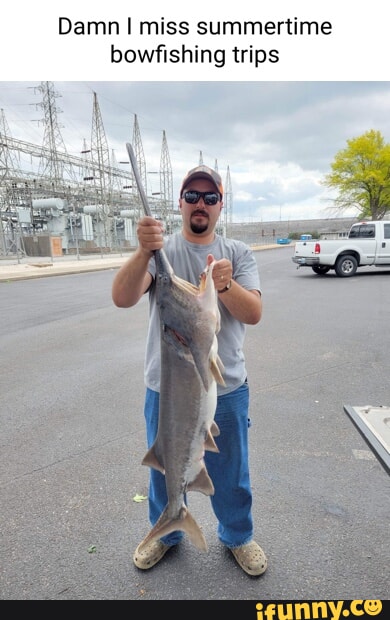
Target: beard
(198, 227)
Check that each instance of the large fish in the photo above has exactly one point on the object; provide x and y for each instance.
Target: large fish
(190, 371)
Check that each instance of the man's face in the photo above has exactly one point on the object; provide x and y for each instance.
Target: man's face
(200, 217)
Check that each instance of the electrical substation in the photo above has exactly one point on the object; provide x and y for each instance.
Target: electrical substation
(59, 203)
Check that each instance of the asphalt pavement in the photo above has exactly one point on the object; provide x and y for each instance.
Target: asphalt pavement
(73, 439)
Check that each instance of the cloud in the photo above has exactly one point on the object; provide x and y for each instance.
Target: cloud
(277, 138)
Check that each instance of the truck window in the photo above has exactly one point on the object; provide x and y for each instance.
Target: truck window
(387, 231)
(367, 231)
(364, 231)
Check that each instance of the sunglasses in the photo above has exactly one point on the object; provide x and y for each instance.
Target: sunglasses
(193, 196)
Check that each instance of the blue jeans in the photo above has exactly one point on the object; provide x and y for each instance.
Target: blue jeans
(228, 469)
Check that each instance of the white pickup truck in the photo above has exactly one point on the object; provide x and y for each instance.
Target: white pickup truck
(368, 243)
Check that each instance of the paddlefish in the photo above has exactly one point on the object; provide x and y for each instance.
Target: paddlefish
(190, 371)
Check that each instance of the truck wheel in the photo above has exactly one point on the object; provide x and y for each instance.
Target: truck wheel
(346, 266)
(320, 269)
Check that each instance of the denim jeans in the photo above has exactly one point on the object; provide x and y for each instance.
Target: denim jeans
(228, 469)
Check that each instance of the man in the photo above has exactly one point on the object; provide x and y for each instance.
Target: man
(237, 281)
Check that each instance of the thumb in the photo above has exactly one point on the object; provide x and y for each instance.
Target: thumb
(210, 259)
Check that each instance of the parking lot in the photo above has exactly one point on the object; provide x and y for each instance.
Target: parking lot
(73, 439)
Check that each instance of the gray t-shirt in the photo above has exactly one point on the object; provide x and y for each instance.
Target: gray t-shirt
(188, 260)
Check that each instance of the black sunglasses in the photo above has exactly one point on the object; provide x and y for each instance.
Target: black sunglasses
(193, 196)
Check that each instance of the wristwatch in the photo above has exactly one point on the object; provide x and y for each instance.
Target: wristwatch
(227, 287)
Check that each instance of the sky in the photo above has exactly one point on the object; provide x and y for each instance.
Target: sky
(304, 78)
(278, 139)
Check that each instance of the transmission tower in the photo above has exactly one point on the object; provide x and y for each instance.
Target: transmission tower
(9, 167)
(139, 153)
(10, 231)
(166, 180)
(87, 171)
(53, 165)
(100, 156)
(228, 200)
(117, 184)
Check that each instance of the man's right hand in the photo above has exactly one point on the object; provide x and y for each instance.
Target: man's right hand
(133, 278)
(150, 234)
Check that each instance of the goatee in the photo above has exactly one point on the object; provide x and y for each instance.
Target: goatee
(198, 228)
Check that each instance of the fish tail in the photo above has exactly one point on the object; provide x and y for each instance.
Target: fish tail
(185, 522)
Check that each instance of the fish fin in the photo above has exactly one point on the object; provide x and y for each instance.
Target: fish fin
(214, 430)
(216, 368)
(184, 522)
(194, 532)
(202, 482)
(209, 443)
(201, 365)
(184, 285)
(150, 459)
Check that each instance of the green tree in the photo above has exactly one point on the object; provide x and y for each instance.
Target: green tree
(361, 174)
